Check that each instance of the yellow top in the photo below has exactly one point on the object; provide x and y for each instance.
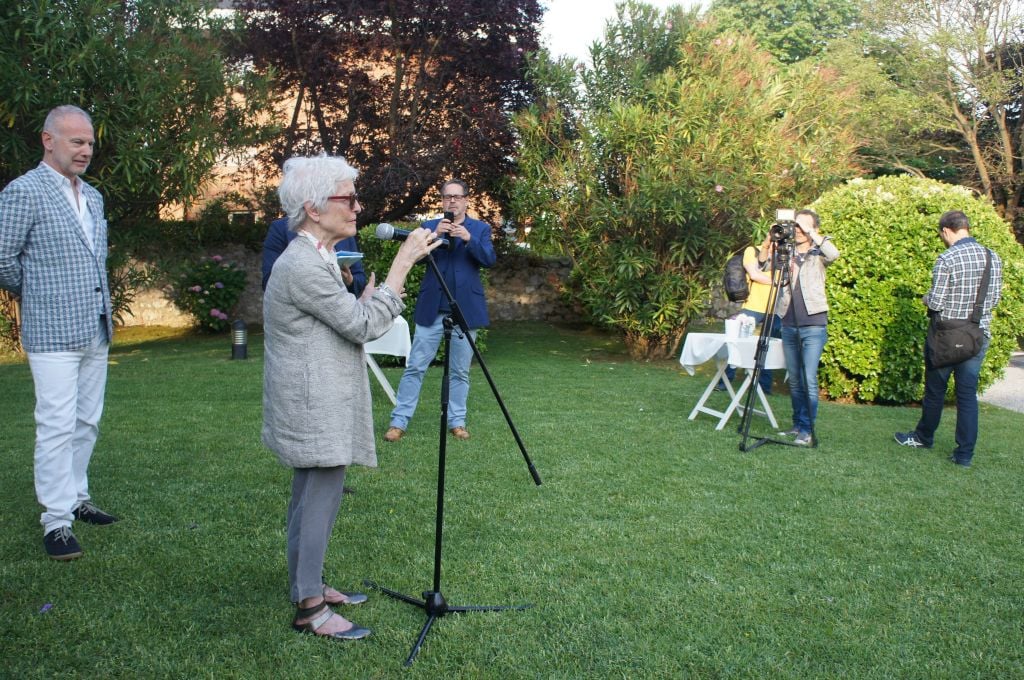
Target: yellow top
(757, 301)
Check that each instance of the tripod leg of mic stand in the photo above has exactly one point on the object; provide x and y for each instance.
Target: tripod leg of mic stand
(419, 641)
(394, 594)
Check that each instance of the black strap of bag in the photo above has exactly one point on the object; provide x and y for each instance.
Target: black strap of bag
(979, 302)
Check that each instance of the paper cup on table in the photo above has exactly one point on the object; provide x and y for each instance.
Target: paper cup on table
(732, 328)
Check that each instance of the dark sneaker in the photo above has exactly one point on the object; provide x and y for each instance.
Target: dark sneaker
(61, 544)
(962, 463)
(910, 439)
(87, 512)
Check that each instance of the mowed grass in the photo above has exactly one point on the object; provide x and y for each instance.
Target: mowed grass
(654, 548)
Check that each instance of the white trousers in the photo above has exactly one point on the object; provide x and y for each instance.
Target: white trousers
(69, 402)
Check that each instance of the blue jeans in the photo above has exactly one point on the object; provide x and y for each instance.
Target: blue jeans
(803, 345)
(766, 376)
(966, 389)
(425, 342)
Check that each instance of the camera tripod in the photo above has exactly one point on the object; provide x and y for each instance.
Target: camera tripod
(780, 275)
(433, 602)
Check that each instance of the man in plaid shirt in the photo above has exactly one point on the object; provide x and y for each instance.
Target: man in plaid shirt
(53, 255)
(956, 280)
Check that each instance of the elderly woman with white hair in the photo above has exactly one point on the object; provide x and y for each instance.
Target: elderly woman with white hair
(317, 413)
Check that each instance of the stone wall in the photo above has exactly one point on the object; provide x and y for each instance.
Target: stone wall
(529, 289)
(519, 288)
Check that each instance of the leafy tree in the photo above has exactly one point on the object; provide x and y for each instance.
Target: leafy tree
(832, 34)
(964, 62)
(892, 142)
(649, 193)
(410, 92)
(149, 72)
(790, 29)
(639, 44)
(886, 231)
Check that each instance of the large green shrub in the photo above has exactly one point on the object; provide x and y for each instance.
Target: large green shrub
(886, 231)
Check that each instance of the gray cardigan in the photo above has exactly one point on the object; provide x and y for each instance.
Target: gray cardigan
(316, 394)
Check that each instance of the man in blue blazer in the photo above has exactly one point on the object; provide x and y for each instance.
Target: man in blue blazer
(53, 254)
(460, 267)
(279, 236)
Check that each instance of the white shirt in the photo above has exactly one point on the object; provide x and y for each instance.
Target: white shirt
(78, 204)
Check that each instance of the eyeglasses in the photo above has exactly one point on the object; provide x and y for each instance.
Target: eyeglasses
(351, 198)
(452, 197)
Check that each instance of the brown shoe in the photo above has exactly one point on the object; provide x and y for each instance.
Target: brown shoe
(393, 434)
(460, 433)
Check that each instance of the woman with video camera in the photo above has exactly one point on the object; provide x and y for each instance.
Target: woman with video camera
(803, 308)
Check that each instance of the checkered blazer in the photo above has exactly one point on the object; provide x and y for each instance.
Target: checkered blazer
(46, 259)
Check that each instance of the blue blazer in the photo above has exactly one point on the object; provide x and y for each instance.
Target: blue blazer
(461, 269)
(46, 259)
(278, 238)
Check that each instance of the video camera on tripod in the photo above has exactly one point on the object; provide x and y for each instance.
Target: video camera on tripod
(783, 232)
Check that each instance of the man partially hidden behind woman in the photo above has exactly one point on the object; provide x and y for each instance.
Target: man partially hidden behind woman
(317, 413)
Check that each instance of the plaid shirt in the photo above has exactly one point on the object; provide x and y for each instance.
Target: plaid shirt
(956, 280)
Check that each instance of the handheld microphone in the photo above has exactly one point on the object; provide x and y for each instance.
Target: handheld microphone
(387, 232)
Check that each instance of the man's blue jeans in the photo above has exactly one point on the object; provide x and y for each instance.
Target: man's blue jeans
(425, 342)
(803, 345)
(966, 389)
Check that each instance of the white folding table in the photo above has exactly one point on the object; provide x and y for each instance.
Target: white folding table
(738, 352)
(395, 342)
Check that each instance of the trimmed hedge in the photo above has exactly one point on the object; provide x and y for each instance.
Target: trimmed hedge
(886, 232)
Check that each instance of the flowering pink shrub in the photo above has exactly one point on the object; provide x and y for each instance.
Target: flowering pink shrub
(208, 290)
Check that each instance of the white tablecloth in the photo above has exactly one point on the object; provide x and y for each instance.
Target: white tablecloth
(395, 342)
(740, 352)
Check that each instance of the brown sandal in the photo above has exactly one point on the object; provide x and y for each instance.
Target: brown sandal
(322, 613)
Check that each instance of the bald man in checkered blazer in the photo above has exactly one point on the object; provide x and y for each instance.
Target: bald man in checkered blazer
(53, 253)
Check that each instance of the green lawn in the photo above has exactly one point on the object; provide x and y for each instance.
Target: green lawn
(653, 549)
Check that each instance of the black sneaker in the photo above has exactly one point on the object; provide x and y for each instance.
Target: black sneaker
(87, 512)
(60, 544)
(910, 439)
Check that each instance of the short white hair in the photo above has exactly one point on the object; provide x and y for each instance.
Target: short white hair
(60, 112)
(311, 179)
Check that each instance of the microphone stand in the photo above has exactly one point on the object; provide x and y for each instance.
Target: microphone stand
(433, 602)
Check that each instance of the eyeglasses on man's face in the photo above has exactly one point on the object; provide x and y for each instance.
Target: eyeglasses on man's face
(452, 197)
(352, 199)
